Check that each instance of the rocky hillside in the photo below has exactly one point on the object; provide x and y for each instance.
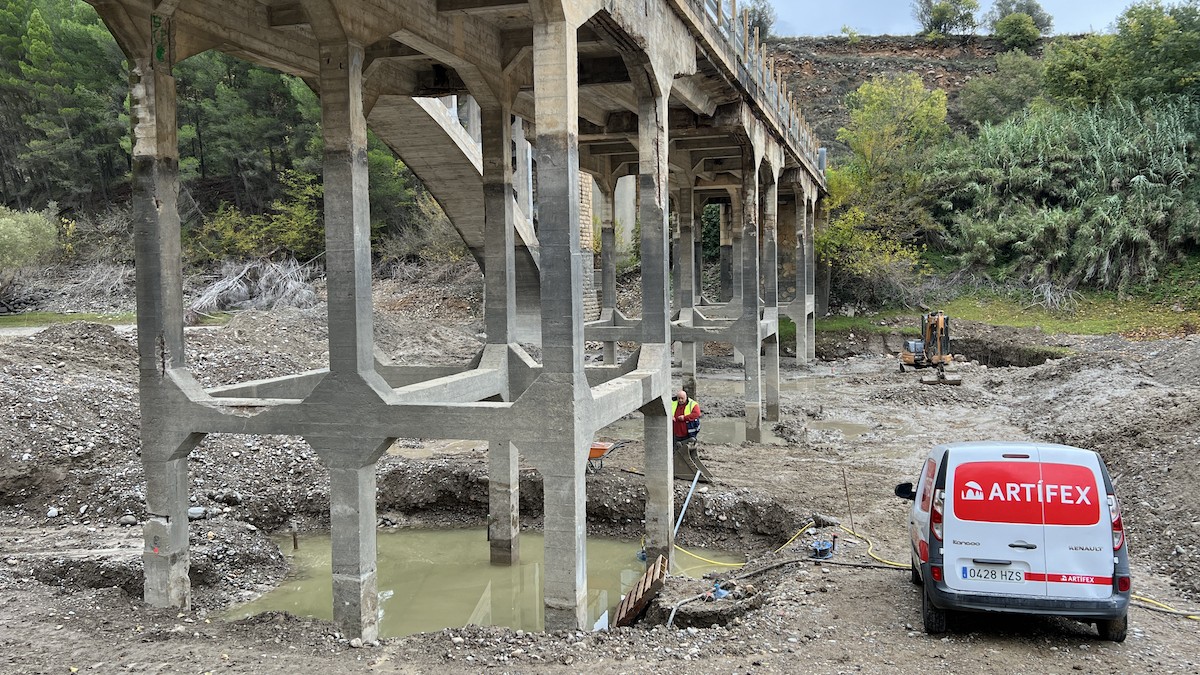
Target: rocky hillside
(822, 71)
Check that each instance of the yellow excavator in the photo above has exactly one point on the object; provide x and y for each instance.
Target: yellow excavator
(932, 350)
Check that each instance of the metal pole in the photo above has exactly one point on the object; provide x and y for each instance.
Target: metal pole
(685, 505)
(846, 485)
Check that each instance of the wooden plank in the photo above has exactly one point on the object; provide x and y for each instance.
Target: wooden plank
(642, 593)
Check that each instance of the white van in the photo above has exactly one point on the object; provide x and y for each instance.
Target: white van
(1030, 528)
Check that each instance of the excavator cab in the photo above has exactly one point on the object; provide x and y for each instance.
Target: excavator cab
(932, 350)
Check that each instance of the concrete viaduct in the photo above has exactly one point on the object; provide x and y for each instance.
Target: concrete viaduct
(678, 93)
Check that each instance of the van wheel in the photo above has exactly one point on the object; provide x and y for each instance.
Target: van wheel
(1113, 630)
(914, 571)
(933, 618)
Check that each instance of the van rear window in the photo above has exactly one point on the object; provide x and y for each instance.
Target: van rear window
(1026, 492)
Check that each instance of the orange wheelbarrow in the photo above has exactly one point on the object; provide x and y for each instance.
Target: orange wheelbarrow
(599, 451)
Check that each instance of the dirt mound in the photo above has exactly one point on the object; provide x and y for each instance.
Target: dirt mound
(78, 345)
(1147, 432)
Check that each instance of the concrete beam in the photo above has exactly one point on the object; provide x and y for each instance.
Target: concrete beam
(470, 6)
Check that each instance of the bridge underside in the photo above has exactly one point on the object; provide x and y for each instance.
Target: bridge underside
(671, 91)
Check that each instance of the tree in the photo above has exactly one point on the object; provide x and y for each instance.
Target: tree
(991, 99)
(1017, 31)
(762, 17)
(1155, 53)
(893, 118)
(1003, 8)
(1080, 72)
(25, 238)
(1157, 49)
(945, 17)
(877, 219)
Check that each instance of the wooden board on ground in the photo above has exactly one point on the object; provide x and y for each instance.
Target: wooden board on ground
(641, 594)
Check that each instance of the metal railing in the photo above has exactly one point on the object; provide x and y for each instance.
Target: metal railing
(746, 51)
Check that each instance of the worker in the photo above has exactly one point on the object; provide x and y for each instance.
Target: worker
(685, 415)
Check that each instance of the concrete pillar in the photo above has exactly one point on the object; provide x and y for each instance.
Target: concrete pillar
(698, 254)
(504, 523)
(749, 341)
(737, 218)
(726, 262)
(770, 273)
(800, 275)
(352, 527)
(810, 286)
(500, 283)
(159, 281)
(350, 460)
(656, 325)
(737, 225)
(685, 258)
(673, 256)
(347, 210)
(500, 318)
(689, 222)
(523, 169)
(469, 116)
(562, 382)
(608, 261)
(626, 216)
(660, 479)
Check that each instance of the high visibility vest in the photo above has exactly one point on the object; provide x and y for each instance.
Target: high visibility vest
(693, 426)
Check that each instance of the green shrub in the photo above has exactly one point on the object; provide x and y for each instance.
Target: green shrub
(1105, 196)
(991, 99)
(26, 237)
(1005, 8)
(1017, 31)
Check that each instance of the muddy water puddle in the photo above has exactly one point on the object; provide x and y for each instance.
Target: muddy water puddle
(434, 579)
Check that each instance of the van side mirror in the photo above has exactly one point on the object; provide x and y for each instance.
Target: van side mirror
(906, 491)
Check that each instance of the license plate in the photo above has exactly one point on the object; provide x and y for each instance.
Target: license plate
(993, 574)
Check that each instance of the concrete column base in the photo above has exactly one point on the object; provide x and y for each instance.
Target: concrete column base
(504, 524)
(356, 605)
(660, 479)
(352, 528)
(771, 377)
(811, 334)
(166, 574)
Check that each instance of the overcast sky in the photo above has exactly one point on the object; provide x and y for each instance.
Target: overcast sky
(894, 17)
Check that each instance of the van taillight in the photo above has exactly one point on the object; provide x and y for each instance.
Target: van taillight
(935, 571)
(935, 515)
(1123, 584)
(1118, 527)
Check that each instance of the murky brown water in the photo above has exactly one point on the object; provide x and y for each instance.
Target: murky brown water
(435, 579)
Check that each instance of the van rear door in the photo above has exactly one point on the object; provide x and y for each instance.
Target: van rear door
(1079, 554)
(994, 540)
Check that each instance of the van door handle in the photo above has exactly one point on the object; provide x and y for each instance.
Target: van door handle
(1021, 544)
(986, 561)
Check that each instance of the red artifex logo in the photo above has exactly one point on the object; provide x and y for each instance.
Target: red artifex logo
(1026, 493)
